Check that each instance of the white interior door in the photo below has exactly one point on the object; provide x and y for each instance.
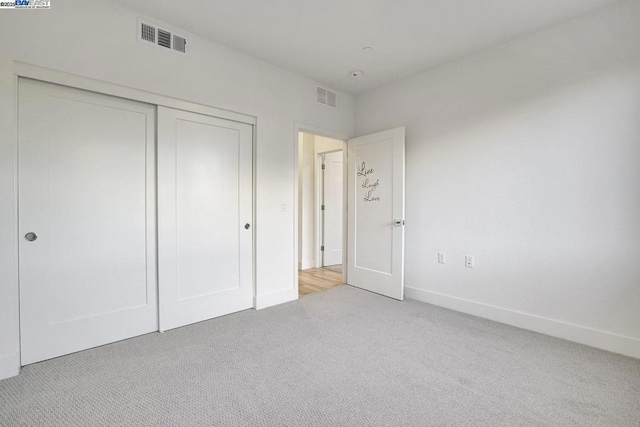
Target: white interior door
(205, 213)
(86, 220)
(376, 213)
(332, 215)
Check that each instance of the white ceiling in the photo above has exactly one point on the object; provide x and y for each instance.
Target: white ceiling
(323, 39)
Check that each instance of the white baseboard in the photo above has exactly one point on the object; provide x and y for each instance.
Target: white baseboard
(9, 365)
(275, 298)
(303, 265)
(615, 343)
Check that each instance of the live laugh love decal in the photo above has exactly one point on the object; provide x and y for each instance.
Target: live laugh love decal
(368, 182)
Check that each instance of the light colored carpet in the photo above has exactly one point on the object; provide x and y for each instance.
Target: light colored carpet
(343, 357)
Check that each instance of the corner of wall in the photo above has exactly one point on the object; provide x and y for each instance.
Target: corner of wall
(9, 365)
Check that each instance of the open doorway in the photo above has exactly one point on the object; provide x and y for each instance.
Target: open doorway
(321, 208)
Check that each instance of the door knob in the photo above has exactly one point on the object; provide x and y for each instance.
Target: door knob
(246, 226)
(30, 236)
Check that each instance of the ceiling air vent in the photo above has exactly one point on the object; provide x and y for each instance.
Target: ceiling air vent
(160, 36)
(326, 97)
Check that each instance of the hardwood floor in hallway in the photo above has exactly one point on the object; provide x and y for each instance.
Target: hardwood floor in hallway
(314, 280)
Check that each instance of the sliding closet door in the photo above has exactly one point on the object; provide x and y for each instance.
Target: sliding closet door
(86, 220)
(205, 196)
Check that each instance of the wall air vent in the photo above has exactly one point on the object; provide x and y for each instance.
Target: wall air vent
(321, 95)
(164, 38)
(148, 33)
(331, 99)
(326, 97)
(179, 44)
(160, 35)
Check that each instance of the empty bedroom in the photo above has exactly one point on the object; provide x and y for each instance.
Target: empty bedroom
(320, 213)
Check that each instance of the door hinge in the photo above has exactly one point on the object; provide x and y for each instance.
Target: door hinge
(322, 248)
(323, 166)
(322, 207)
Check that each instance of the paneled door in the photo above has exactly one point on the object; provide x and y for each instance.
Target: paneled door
(87, 226)
(376, 213)
(205, 227)
(332, 215)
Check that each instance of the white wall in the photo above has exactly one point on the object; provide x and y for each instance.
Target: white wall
(325, 145)
(308, 238)
(97, 39)
(527, 156)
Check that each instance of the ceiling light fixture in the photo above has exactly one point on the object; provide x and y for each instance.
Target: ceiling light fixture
(356, 73)
(367, 49)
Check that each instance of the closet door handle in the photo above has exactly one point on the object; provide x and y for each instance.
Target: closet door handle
(247, 226)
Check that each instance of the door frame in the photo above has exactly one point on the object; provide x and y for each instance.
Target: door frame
(47, 75)
(314, 130)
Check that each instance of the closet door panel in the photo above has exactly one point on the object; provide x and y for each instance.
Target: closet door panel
(205, 217)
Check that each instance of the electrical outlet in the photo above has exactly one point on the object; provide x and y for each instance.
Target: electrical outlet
(442, 258)
(468, 261)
